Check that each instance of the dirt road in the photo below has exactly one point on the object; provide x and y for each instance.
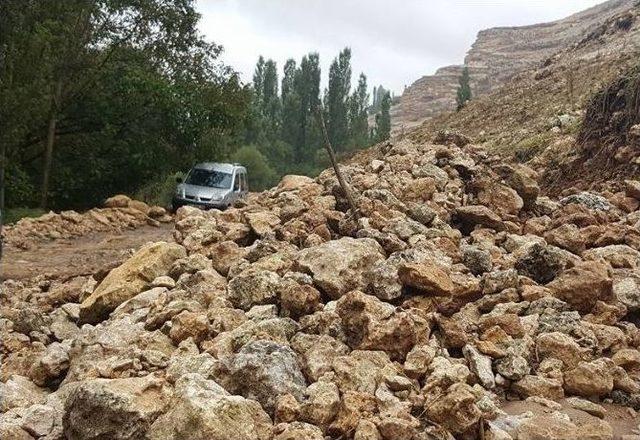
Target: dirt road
(84, 255)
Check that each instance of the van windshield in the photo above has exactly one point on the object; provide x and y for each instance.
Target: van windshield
(212, 179)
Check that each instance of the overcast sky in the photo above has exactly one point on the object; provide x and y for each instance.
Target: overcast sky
(394, 42)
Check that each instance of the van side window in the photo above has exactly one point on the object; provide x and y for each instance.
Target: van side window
(236, 182)
(244, 182)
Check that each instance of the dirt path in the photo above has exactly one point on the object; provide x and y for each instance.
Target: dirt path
(84, 255)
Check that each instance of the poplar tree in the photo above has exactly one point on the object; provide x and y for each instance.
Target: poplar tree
(383, 119)
(464, 90)
(358, 117)
(336, 99)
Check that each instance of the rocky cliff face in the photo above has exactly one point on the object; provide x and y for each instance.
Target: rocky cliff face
(496, 56)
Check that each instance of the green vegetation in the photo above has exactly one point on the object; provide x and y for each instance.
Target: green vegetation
(283, 118)
(99, 97)
(464, 90)
(529, 148)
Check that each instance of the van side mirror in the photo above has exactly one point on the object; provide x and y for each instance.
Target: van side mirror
(179, 179)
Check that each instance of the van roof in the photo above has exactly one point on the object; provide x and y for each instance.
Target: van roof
(215, 166)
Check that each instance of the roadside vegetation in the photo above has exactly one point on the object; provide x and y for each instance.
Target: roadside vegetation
(99, 97)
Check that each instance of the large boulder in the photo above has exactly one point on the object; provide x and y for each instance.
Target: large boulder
(253, 287)
(202, 410)
(477, 215)
(428, 278)
(114, 408)
(371, 324)
(264, 370)
(19, 392)
(129, 279)
(339, 266)
(501, 199)
(589, 379)
(583, 286)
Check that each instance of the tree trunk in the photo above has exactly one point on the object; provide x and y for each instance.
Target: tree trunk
(336, 168)
(51, 136)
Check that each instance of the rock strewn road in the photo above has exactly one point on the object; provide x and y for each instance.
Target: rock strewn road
(72, 257)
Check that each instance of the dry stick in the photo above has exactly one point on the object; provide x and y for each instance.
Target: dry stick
(343, 184)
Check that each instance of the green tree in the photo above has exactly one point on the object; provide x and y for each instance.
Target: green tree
(358, 116)
(261, 175)
(336, 99)
(290, 104)
(270, 101)
(383, 119)
(464, 90)
(123, 90)
(307, 89)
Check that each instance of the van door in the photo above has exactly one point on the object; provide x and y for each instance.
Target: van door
(245, 184)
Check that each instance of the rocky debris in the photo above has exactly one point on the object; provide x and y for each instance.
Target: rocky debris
(288, 317)
(119, 213)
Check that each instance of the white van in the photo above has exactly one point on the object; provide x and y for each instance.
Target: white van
(211, 185)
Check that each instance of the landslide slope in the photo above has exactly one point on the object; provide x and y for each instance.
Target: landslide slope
(537, 116)
(456, 290)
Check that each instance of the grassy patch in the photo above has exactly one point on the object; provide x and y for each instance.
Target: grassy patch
(528, 148)
(12, 215)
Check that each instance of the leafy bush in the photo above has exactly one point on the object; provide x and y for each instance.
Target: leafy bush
(19, 190)
(160, 190)
(261, 174)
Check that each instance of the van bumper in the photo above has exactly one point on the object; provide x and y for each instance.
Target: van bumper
(179, 202)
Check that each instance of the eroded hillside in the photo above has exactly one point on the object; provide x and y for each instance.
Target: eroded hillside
(497, 56)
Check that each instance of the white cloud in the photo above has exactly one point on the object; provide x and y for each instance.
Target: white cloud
(393, 42)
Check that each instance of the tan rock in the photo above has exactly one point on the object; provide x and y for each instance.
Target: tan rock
(355, 406)
(589, 379)
(539, 386)
(567, 236)
(299, 431)
(132, 277)
(131, 404)
(371, 324)
(361, 370)
(342, 265)
(472, 215)
(202, 410)
(262, 223)
(287, 409)
(560, 346)
(583, 285)
(632, 188)
(298, 300)
(587, 406)
(118, 201)
(501, 199)
(321, 404)
(428, 278)
(455, 410)
(189, 325)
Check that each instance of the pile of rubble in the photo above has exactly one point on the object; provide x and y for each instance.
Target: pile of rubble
(456, 289)
(119, 213)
